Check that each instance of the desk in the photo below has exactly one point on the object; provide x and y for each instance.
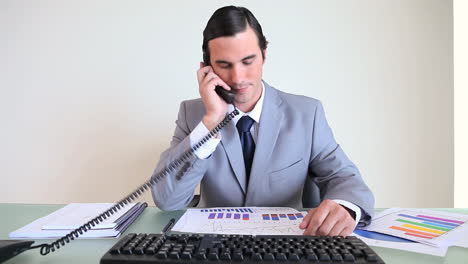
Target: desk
(152, 220)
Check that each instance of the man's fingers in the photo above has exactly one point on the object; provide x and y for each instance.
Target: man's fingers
(209, 77)
(346, 231)
(329, 218)
(210, 80)
(316, 220)
(217, 81)
(328, 223)
(348, 225)
(338, 229)
(337, 222)
(305, 221)
(202, 72)
(224, 85)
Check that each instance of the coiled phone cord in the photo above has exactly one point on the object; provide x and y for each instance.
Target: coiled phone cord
(47, 248)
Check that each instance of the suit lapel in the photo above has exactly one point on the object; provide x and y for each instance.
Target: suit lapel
(231, 144)
(269, 127)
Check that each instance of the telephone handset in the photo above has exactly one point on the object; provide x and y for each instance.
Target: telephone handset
(185, 157)
(225, 94)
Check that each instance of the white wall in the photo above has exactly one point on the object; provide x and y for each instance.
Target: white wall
(90, 90)
(461, 97)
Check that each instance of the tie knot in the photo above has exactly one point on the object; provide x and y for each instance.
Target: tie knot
(244, 124)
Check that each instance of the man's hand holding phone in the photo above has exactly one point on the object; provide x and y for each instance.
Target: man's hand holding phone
(215, 106)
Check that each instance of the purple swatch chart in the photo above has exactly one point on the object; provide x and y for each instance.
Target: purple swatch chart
(229, 210)
(277, 217)
(228, 216)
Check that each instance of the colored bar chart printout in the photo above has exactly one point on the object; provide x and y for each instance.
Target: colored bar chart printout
(425, 226)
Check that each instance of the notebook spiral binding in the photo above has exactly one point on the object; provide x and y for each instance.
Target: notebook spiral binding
(47, 248)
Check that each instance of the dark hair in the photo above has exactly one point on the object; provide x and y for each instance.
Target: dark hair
(228, 21)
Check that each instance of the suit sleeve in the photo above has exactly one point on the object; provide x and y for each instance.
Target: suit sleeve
(176, 189)
(336, 176)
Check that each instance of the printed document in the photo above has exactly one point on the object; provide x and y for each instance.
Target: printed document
(242, 221)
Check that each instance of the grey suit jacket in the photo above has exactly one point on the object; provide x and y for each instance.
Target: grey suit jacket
(294, 142)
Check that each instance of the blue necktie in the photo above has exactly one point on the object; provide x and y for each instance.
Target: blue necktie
(248, 146)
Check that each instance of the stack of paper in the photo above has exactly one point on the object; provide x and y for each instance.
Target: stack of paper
(418, 230)
(72, 216)
(242, 221)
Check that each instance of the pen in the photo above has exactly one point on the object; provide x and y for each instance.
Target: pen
(167, 228)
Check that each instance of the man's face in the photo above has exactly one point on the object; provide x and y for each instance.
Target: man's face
(238, 61)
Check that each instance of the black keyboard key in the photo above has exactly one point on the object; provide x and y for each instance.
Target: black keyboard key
(248, 251)
(371, 257)
(162, 255)
(257, 257)
(182, 240)
(344, 251)
(312, 257)
(201, 256)
(324, 257)
(269, 257)
(174, 255)
(225, 256)
(357, 252)
(178, 247)
(128, 250)
(188, 250)
(186, 255)
(139, 250)
(281, 257)
(213, 256)
(294, 257)
(150, 250)
(321, 251)
(336, 258)
(238, 256)
(165, 248)
(116, 249)
(348, 258)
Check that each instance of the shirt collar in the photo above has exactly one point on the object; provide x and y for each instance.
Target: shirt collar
(256, 111)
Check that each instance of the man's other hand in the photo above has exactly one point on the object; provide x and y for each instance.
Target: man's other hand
(328, 219)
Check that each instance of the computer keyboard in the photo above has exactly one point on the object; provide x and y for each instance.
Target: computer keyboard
(194, 248)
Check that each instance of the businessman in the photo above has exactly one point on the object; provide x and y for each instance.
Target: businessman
(263, 156)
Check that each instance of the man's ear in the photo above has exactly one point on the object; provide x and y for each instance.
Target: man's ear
(264, 51)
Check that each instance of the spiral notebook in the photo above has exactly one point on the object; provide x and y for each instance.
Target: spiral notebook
(72, 216)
